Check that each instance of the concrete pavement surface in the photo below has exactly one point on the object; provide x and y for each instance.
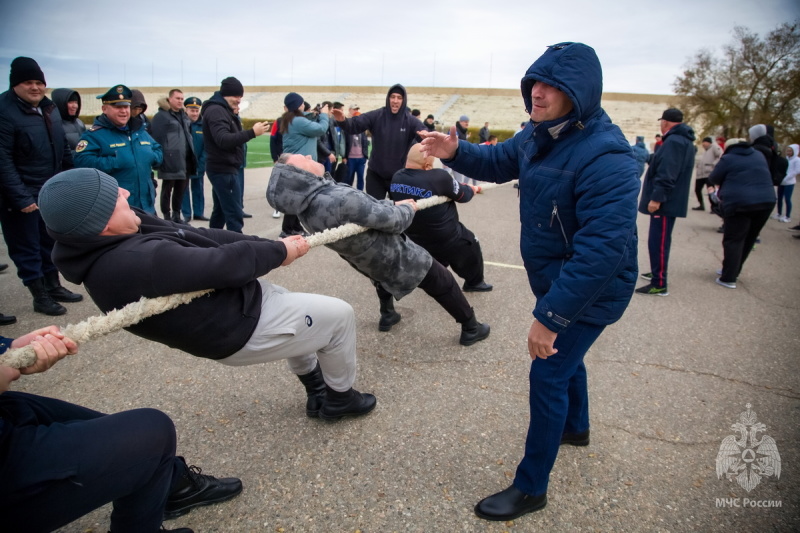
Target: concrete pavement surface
(666, 384)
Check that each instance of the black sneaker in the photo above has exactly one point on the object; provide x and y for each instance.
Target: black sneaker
(480, 287)
(647, 275)
(575, 439)
(652, 290)
(195, 490)
(699, 208)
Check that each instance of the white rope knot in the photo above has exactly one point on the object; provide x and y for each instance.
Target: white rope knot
(133, 313)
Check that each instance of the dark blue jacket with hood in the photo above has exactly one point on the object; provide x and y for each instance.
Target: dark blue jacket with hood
(578, 188)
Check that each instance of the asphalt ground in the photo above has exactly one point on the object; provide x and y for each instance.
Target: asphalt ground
(666, 384)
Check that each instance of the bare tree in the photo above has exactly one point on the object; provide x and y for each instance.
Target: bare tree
(755, 81)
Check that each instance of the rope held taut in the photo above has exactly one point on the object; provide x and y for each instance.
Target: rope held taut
(133, 313)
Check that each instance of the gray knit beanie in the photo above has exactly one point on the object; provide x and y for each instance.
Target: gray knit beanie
(78, 201)
(759, 130)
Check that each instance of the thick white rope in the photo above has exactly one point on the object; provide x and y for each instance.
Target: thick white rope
(133, 313)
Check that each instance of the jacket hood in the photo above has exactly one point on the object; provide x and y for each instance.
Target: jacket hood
(683, 130)
(216, 99)
(78, 253)
(60, 97)
(137, 100)
(795, 149)
(163, 104)
(290, 189)
(397, 88)
(572, 68)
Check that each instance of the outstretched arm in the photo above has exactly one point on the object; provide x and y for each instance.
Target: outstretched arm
(438, 144)
(50, 346)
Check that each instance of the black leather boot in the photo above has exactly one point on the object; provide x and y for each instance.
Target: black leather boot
(349, 403)
(315, 389)
(58, 293)
(576, 439)
(42, 301)
(194, 489)
(389, 317)
(6, 320)
(473, 331)
(509, 504)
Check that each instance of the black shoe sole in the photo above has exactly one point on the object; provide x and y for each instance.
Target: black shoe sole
(472, 289)
(170, 515)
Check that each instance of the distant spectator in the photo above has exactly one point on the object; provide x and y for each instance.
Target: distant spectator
(483, 134)
(640, 153)
(354, 110)
(68, 103)
(194, 200)
(521, 128)
(786, 188)
(703, 168)
(429, 123)
(655, 145)
(491, 140)
(416, 113)
(171, 129)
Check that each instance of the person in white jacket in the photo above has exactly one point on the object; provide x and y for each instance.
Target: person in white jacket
(786, 188)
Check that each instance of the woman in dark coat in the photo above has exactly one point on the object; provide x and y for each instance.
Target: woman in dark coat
(747, 197)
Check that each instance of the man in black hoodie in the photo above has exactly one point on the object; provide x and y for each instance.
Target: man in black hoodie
(68, 103)
(393, 129)
(225, 152)
(122, 254)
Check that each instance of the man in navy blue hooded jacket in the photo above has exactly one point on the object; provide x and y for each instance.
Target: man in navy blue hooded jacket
(578, 184)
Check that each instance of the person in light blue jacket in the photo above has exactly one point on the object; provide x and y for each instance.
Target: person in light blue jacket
(300, 135)
(578, 186)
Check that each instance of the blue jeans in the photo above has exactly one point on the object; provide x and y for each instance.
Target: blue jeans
(240, 179)
(196, 205)
(355, 167)
(62, 461)
(559, 403)
(227, 210)
(785, 195)
(659, 242)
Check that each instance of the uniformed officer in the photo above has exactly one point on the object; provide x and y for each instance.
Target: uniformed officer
(193, 207)
(120, 146)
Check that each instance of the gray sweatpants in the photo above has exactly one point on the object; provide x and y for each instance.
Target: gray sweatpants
(303, 328)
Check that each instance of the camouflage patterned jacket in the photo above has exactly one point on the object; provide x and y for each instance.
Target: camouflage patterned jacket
(383, 253)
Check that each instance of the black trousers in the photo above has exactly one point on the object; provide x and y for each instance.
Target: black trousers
(377, 186)
(172, 196)
(60, 461)
(29, 245)
(740, 233)
(699, 186)
(440, 285)
(463, 255)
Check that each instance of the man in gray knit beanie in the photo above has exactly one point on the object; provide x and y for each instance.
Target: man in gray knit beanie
(78, 201)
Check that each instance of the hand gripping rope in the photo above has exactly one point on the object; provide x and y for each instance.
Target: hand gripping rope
(133, 313)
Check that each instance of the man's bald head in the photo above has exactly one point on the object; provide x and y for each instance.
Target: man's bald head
(417, 160)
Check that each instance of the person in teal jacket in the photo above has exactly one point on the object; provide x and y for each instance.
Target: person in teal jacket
(121, 147)
(300, 134)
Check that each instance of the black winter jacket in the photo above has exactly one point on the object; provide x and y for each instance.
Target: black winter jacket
(744, 180)
(223, 135)
(166, 258)
(172, 131)
(73, 126)
(32, 149)
(670, 173)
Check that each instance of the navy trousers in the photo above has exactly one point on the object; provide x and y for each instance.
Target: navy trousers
(227, 210)
(559, 403)
(658, 243)
(194, 201)
(60, 461)
(29, 245)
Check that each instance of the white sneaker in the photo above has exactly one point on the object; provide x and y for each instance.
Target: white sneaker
(785, 219)
(719, 272)
(725, 284)
(775, 216)
(276, 214)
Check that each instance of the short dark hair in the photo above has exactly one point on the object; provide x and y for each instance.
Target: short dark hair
(415, 112)
(173, 91)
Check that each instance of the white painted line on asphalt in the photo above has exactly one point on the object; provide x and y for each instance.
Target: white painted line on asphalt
(503, 265)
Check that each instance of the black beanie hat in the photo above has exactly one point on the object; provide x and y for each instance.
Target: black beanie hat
(78, 201)
(231, 87)
(24, 69)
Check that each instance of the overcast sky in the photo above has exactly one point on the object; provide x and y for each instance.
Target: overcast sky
(642, 45)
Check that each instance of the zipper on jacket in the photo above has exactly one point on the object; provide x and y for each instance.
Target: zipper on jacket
(555, 215)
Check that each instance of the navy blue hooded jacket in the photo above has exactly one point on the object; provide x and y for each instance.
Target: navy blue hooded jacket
(577, 195)
(669, 175)
(744, 180)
